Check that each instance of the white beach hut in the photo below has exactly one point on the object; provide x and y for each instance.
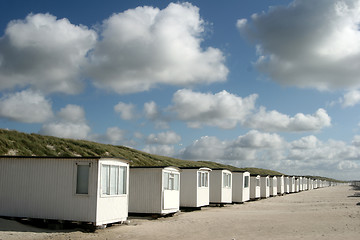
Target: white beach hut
(264, 186)
(292, 182)
(194, 187)
(305, 183)
(83, 189)
(280, 184)
(286, 184)
(220, 186)
(273, 186)
(297, 184)
(154, 190)
(300, 183)
(255, 186)
(241, 186)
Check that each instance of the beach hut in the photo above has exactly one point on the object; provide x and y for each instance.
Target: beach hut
(254, 186)
(286, 184)
(154, 190)
(297, 184)
(300, 183)
(81, 189)
(241, 186)
(194, 187)
(310, 184)
(220, 186)
(291, 184)
(305, 183)
(264, 186)
(280, 184)
(273, 186)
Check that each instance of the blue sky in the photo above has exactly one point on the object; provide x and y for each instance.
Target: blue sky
(269, 84)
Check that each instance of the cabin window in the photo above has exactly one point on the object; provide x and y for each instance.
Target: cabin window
(203, 178)
(246, 181)
(82, 178)
(258, 182)
(113, 179)
(171, 181)
(267, 182)
(226, 180)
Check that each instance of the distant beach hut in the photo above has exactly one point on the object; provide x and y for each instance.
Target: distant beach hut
(264, 186)
(154, 190)
(315, 183)
(310, 184)
(280, 184)
(292, 182)
(300, 183)
(255, 186)
(297, 184)
(81, 189)
(220, 186)
(305, 183)
(241, 186)
(194, 187)
(273, 186)
(286, 184)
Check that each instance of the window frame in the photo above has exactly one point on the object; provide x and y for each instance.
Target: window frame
(203, 179)
(76, 172)
(171, 181)
(246, 181)
(121, 180)
(226, 183)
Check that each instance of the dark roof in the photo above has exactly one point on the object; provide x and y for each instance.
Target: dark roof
(65, 158)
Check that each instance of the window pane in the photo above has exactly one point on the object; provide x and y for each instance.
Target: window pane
(246, 182)
(224, 180)
(82, 179)
(176, 182)
(105, 179)
(166, 180)
(199, 179)
(171, 181)
(114, 180)
(123, 179)
(206, 179)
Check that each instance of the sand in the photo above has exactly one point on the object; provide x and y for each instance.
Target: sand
(326, 213)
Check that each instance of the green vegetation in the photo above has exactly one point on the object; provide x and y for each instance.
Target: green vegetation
(22, 144)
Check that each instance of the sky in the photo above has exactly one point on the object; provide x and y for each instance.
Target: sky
(270, 83)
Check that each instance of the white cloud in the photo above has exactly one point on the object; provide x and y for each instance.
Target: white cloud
(164, 138)
(26, 106)
(307, 155)
(223, 109)
(144, 47)
(44, 53)
(275, 121)
(163, 150)
(314, 44)
(226, 110)
(126, 110)
(71, 123)
(351, 98)
(153, 113)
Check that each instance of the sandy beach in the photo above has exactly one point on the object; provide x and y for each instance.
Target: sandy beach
(326, 213)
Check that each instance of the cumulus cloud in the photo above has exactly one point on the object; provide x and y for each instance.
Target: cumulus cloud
(306, 155)
(144, 47)
(275, 121)
(164, 138)
(247, 147)
(26, 106)
(313, 44)
(153, 113)
(126, 110)
(226, 110)
(163, 150)
(223, 109)
(351, 98)
(71, 123)
(44, 53)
